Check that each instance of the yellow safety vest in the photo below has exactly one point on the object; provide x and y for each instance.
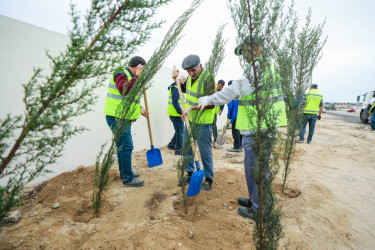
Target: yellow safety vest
(312, 102)
(114, 98)
(205, 116)
(247, 117)
(372, 109)
(171, 111)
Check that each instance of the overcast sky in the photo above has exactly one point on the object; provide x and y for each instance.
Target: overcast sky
(345, 71)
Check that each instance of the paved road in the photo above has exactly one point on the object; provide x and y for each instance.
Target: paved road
(347, 116)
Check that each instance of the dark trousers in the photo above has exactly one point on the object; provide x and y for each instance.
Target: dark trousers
(178, 125)
(237, 137)
(214, 128)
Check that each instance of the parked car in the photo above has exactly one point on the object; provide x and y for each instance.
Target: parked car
(351, 110)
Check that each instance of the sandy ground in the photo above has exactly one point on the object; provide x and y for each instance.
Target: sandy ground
(335, 210)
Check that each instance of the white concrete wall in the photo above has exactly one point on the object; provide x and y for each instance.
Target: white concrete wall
(22, 48)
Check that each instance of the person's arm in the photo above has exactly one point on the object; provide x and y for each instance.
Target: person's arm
(175, 98)
(230, 110)
(321, 107)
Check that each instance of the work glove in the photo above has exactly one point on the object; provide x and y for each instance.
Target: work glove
(186, 113)
(319, 117)
(174, 73)
(203, 102)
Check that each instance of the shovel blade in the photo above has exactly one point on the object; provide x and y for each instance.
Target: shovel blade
(154, 157)
(220, 140)
(195, 182)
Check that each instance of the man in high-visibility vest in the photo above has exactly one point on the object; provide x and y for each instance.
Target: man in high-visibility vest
(174, 111)
(372, 121)
(218, 110)
(312, 110)
(247, 118)
(122, 81)
(199, 83)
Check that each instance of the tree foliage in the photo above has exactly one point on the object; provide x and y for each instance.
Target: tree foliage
(100, 41)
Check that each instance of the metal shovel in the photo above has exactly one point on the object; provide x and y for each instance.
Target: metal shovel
(220, 140)
(153, 155)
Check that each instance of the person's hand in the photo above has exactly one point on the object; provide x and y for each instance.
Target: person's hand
(228, 120)
(186, 113)
(319, 117)
(203, 102)
(220, 112)
(175, 73)
(139, 69)
(144, 112)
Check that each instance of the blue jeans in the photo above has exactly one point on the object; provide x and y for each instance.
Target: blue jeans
(373, 121)
(124, 146)
(202, 133)
(177, 139)
(311, 119)
(248, 144)
(214, 128)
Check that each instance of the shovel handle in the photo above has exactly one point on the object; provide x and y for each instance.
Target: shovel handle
(148, 117)
(193, 146)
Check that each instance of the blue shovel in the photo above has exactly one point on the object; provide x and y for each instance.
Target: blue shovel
(197, 177)
(153, 155)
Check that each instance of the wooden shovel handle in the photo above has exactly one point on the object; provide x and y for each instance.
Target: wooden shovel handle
(193, 146)
(148, 118)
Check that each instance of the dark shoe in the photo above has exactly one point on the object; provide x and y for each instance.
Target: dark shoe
(246, 212)
(207, 184)
(172, 147)
(308, 142)
(178, 152)
(133, 183)
(300, 141)
(186, 180)
(235, 150)
(245, 202)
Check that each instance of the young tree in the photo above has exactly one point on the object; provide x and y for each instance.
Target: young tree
(297, 59)
(143, 82)
(99, 42)
(261, 25)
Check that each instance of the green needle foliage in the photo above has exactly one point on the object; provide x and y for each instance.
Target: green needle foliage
(297, 59)
(100, 40)
(262, 20)
(143, 82)
(218, 52)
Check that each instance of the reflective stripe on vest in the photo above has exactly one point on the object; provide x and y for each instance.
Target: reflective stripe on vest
(114, 100)
(247, 117)
(192, 95)
(312, 102)
(171, 109)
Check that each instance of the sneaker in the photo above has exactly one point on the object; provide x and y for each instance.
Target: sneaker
(133, 183)
(245, 202)
(172, 147)
(300, 141)
(235, 150)
(135, 175)
(246, 212)
(186, 180)
(207, 185)
(308, 142)
(178, 152)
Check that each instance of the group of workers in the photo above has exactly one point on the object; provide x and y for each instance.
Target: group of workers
(204, 100)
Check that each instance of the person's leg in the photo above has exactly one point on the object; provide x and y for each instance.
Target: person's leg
(214, 128)
(236, 136)
(172, 143)
(250, 163)
(303, 128)
(124, 147)
(373, 121)
(179, 127)
(312, 121)
(205, 149)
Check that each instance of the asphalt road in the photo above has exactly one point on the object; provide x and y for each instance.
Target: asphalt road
(347, 116)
